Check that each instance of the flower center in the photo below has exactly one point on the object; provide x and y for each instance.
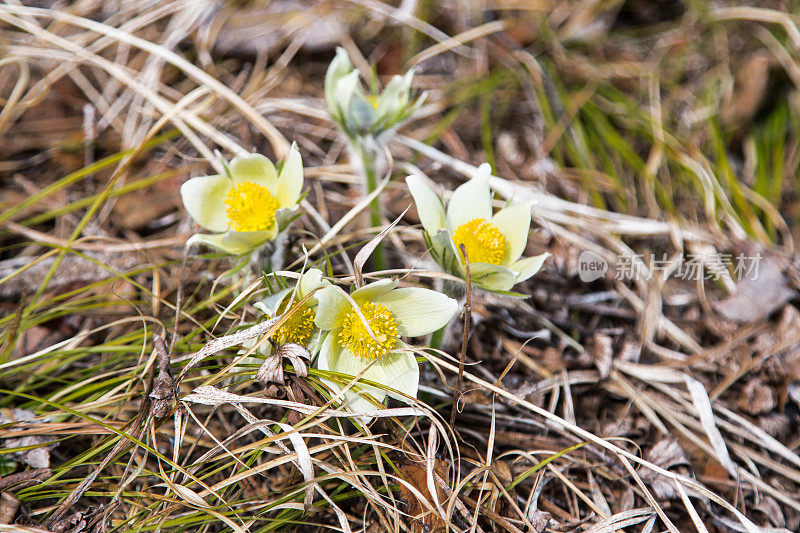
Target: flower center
(355, 336)
(373, 100)
(250, 207)
(483, 241)
(297, 328)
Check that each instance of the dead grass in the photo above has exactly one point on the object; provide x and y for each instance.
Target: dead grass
(648, 133)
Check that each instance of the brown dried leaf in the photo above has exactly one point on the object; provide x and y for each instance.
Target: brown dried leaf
(416, 475)
(163, 393)
(756, 398)
(135, 211)
(9, 505)
(749, 89)
(666, 453)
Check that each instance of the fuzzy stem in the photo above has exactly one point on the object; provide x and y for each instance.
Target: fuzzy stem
(269, 256)
(369, 168)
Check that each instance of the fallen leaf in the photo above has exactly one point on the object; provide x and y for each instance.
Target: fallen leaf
(756, 398)
(423, 519)
(9, 505)
(758, 296)
(38, 457)
(667, 454)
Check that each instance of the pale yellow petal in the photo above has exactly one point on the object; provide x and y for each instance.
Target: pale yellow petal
(373, 290)
(419, 311)
(332, 307)
(204, 200)
(514, 222)
(254, 168)
(470, 200)
(529, 266)
(290, 182)
(231, 242)
(429, 206)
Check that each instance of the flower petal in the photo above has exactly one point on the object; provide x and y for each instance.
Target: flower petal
(328, 352)
(419, 311)
(429, 206)
(342, 94)
(256, 168)
(309, 281)
(231, 242)
(334, 358)
(400, 370)
(492, 277)
(373, 290)
(438, 247)
(529, 266)
(332, 306)
(471, 200)
(394, 96)
(270, 305)
(290, 182)
(452, 255)
(360, 114)
(204, 200)
(339, 67)
(514, 222)
(342, 361)
(284, 217)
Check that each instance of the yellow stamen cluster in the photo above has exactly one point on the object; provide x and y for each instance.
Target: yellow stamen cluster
(250, 207)
(356, 338)
(298, 327)
(483, 241)
(373, 100)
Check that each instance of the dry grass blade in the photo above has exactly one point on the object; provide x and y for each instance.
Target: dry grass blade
(647, 381)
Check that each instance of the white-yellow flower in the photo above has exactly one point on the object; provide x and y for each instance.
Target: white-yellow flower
(358, 114)
(366, 337)
(247, 207)
(494, 242)
(299, 326)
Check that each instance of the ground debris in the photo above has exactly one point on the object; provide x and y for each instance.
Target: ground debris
(759, 296)
(163, 393)
(37, 457)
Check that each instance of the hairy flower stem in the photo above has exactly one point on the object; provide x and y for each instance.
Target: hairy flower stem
(269, 256)
(371, 161)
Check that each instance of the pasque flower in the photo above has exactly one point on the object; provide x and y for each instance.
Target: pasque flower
(361, 115)
(494, 242)
(301, 303)
(246, 207)
(361, 333)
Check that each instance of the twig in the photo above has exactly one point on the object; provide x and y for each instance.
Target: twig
(462, 354)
